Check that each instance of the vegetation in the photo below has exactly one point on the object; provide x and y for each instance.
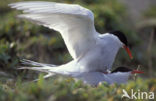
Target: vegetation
(69, 90)
(22, 39)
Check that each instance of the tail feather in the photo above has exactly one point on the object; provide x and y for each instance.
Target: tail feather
(41, 69)
(38, 67)
(29, 62)
(66, 69)
(46, 76)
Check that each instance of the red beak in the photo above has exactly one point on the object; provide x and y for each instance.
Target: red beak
(136, 71)
(128, 51)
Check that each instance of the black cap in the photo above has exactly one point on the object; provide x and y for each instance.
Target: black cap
(121, 69)
(121, 36)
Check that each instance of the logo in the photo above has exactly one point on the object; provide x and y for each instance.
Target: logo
(137, 94)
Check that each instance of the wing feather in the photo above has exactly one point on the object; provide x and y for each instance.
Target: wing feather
(75, 23)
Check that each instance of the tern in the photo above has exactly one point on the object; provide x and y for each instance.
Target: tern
(90, 50)
(119, 76)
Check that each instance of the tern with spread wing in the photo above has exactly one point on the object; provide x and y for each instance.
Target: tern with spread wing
(91, 51)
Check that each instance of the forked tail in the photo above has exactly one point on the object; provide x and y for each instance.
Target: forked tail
(66, 69)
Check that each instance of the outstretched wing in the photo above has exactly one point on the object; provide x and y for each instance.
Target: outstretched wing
(75, 23)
